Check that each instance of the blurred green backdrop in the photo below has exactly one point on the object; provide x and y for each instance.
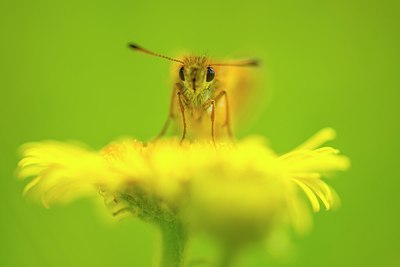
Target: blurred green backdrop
(65, 73)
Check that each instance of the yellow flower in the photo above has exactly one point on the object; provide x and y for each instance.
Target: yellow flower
(238, 192)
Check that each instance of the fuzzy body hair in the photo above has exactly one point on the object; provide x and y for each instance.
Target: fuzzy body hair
(195, 89)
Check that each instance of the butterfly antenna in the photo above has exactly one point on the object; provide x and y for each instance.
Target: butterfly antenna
(143, 50)
(246, 63)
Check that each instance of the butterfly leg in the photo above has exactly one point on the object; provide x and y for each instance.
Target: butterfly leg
(170, 113)
(212, 102)
(227, 114)
(206, 106)
(182, 110)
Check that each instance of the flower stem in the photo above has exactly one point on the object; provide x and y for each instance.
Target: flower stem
(227, 256)
(173, 242)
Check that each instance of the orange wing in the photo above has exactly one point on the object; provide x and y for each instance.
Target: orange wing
(243, 90)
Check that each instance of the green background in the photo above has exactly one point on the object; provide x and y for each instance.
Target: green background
(66, 74)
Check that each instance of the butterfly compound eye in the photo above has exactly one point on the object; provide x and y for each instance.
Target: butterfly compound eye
(181, 74)
(210, 74)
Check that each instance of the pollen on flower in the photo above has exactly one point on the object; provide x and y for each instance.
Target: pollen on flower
(206, 186)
